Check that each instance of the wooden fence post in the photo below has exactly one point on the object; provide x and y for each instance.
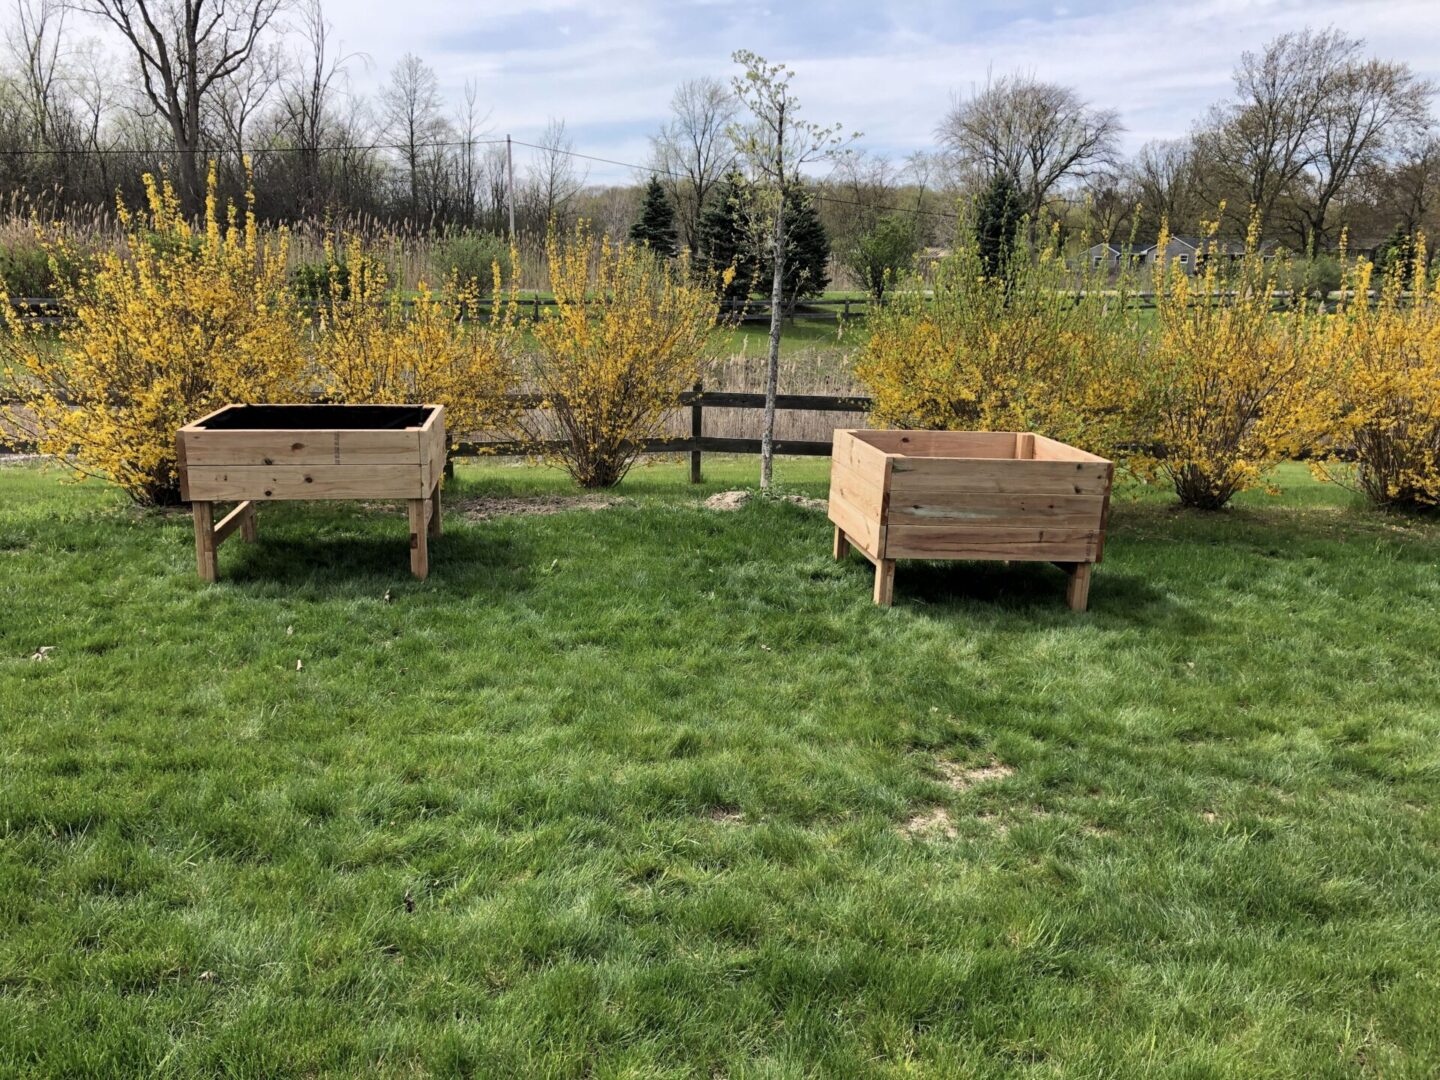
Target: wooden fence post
(697, 426)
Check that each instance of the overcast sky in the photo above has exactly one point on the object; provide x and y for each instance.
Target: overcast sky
(887, 69)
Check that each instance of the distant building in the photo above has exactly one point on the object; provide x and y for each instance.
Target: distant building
(1188, 253)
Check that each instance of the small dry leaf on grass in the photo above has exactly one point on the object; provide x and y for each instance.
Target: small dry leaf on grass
(485, 507)
(962, 778)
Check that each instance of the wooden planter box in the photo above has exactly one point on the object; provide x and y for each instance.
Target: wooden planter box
(968, 495)
(248, 454)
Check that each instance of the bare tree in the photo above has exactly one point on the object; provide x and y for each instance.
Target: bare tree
(411, 110)
(304, 119)
(1257, 145)
(34, 44)
(1039, 133)
(1410, 186)
(552, 180)
(184, 49)
(470, 129)
(692, 152)
(1371, 106)
(1164, 177)
(778, 145)
(238, 99)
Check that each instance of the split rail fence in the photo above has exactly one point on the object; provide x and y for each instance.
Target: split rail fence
(696, 444)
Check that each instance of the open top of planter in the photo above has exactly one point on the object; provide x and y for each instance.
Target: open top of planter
(994, 445)
(315, 418)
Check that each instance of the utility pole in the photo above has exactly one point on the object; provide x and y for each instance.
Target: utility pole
(510, 185)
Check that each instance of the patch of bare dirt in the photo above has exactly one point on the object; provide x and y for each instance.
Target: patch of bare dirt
(933, 822)
(734, 500)
(485, 507)
(726, 815)
(727, 500)
(962, 778)
(807, 502)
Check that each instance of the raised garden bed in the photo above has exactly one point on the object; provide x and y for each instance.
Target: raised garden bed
(248, 454)
(1006, 495)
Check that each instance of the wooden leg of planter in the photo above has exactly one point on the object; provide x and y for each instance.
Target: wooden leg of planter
(885, 582)
(419, 535)
(1077, 592)
(249, 532)
(435, 525)
(842, 544)
(206, 561)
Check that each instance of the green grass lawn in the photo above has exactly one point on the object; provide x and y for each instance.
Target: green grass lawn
(652, 790)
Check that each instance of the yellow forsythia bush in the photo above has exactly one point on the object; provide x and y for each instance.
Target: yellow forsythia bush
(1032, 349)
(628, 333)
(1385, 356)
(173, 325)
(370, 348)
(1231, 387)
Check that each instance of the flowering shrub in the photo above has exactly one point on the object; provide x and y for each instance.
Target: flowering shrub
(168, 329)
(1231, 386)
(1028, 348)
(369, 348)
(627, 334)
(1386, 394)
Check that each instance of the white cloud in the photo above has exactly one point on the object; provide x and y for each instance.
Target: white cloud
(888, 70)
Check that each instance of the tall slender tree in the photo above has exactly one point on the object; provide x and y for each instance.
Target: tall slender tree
(778, 145)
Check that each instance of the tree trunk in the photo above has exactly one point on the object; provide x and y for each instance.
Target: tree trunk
(772, 370)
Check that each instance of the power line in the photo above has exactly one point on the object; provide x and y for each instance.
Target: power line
(682, 176)
(440, 144)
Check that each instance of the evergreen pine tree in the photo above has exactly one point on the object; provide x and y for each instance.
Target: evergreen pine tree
(998, 215)
(807, 251)
(724, 240)
(656, 225)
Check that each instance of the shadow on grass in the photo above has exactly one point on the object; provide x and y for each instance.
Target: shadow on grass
(472, 563)
(953, 587)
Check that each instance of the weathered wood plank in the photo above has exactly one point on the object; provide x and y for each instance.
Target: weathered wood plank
(959, 542)
(914, 479)
(862, 530)
(301, 447)
(1000, 509)
(224, 483)
(1047, 449)
(863, 489)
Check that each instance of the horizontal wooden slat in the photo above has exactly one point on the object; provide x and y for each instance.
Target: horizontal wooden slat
(301, 447)
(913, 479)
(220, 483)
(997, 509)
(864, 531)
(957, 542)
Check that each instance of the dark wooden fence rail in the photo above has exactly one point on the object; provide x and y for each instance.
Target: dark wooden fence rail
(696, 444)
